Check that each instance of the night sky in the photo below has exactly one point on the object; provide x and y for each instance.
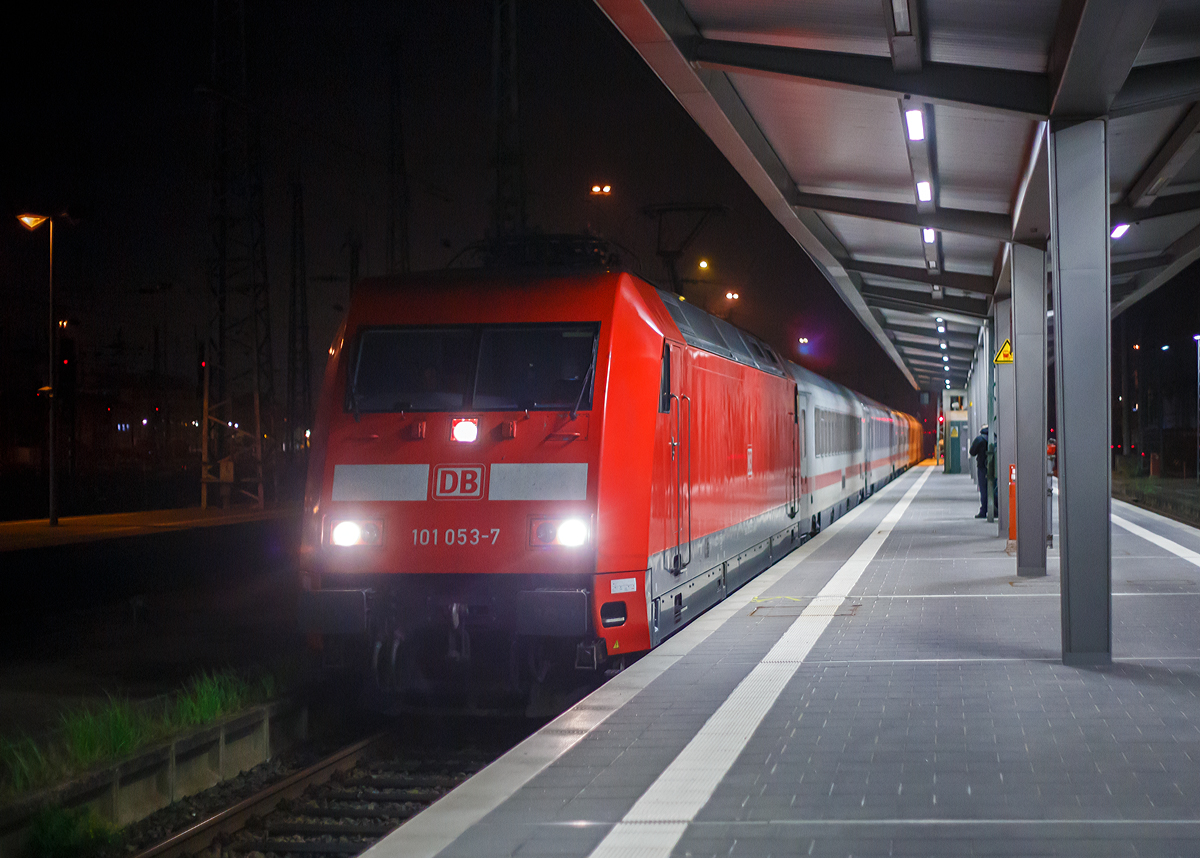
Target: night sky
(108, 121)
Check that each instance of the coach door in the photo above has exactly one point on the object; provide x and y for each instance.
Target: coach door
(794, 431)
(679, 405)
(802, 410)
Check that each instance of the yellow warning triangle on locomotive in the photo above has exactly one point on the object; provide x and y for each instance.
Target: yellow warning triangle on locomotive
(1005, 353)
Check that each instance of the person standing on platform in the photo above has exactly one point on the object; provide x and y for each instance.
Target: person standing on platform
(979, 449)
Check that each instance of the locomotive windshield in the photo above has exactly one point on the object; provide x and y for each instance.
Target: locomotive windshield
(478, 368)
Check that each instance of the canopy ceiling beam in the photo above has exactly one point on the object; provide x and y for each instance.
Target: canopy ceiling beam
(977, 283)
(1092, 51)
(983, 224)
(944, 83)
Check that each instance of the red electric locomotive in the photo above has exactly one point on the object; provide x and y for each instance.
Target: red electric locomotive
(513, 474)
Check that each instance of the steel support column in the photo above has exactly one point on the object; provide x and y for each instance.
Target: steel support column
(1079, 232)
(1029, 354)
(1005, 429)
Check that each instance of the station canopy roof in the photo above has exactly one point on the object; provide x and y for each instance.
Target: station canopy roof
(903, 143)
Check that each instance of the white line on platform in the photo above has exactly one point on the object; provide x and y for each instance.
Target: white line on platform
(432, 830)
(1161, 541)
(656, 822)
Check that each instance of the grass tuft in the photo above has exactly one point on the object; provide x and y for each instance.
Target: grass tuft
(25, 766)
(93, 736)
(115, 730)
(75, 833)
(208, 697)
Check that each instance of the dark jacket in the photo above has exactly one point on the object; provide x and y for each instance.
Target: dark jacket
(979, 449)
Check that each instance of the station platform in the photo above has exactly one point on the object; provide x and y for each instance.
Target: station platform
(72, 530)
(889, 688)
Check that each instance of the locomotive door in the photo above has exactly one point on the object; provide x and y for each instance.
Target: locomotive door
(679, 405)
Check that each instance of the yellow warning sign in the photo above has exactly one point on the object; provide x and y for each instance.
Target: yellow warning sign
(1005, 353)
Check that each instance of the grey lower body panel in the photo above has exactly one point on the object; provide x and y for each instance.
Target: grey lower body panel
(722, 561)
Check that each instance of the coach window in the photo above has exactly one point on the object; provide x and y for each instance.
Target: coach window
(664, 384)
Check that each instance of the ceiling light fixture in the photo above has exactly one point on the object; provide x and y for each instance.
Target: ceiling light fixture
(925, 193)
(915, 119)
(930, 235)
(1119, 230)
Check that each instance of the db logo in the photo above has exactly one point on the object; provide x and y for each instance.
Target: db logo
(461, 482)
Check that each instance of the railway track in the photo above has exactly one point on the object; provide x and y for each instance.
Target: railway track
(339, 806)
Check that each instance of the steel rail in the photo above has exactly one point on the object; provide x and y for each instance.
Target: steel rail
(231, 819)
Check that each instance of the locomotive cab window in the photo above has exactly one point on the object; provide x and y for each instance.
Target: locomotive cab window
(543, 367)
(481, 368)
(421, 369)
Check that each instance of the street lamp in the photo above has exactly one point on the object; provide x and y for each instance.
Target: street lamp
(32, 222)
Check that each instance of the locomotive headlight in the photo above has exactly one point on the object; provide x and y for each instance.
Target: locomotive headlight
(464, 429)
(572, 532)
(345, 533)
(561, 532)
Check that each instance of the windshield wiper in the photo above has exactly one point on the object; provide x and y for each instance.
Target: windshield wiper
(587, 377)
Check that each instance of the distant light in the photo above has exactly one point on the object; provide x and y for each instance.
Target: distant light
(1164, 348)
(307, 433)
(939, 320)
(916, 124)
(703, 263)
(607, 189)
(941, 329)
(1136, 347)
(601, 190)
(1120, 229)
(946, 369)
(145, 421)
(804, 341)
(930, 235)
(732, 296)
(943, 346)
(32, 221)
(1196, 337)
(924, 191)
(946, 358)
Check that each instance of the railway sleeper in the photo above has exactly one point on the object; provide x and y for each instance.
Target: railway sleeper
(385, 796)
(336, 829)
(294, 847)
(391, 812)
(409, 781)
